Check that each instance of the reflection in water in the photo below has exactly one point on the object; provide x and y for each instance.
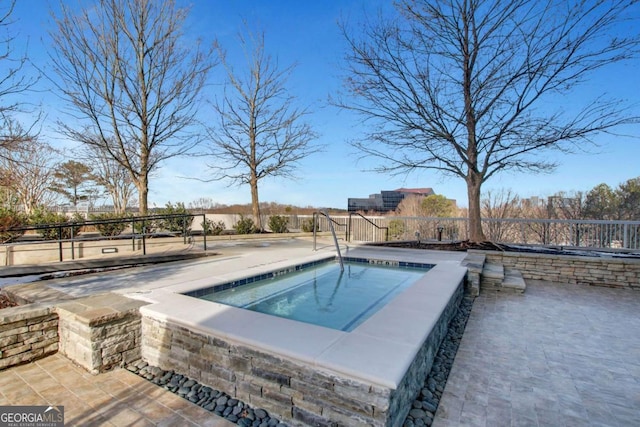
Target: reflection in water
(326, 306)
(323, 295)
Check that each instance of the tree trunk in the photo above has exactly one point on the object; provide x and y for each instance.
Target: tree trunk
(143, 195)
(255, 202)
(475, 219)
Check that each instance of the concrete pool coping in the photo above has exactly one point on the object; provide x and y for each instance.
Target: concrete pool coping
(379, 351)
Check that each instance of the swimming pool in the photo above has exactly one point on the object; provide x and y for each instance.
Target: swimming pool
(321, 294)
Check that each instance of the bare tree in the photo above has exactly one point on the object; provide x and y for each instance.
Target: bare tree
(261, 133)
(27, 170)
(132, 80)
(411, 205)
(565, 205)
(204, 204)
(467, 87)
(112, 176)
(12, 80)
(501, 205)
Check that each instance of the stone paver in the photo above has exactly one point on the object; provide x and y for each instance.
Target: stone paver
(558, 355)
(115, 398)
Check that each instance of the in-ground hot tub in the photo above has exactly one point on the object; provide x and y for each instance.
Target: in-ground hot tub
(321, 293)
(304, 373)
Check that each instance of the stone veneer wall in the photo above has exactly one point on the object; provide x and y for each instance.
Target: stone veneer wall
(27, 333)
(413, 380)
(100, 332)
(602, 271)
(298, 393)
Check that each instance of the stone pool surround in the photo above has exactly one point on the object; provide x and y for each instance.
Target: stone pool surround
(306, 374)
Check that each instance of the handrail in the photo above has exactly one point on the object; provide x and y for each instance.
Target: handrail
(333, 233)
(386, 235)
(126, 220)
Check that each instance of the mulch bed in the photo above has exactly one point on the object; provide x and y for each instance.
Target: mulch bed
(5, 302)
(461, 245)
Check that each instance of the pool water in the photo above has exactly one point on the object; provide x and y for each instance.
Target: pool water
(322, 294)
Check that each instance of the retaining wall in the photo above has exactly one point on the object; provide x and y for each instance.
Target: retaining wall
(574, 269)
(27, 333)
(100, 332)
(302, 394)
(37, 253)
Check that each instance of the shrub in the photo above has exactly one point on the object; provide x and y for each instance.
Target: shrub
(109, 229)
(211, 228)
(144, 226)
(396, 229)
(245, 226)
(175, 224)
(8, 220)
(278, 223)
(43, 216)
(307, 225)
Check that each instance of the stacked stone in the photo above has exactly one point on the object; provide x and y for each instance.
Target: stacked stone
(27, 333)
(216, 401)
(621, 272)
(424, 407)
(421, 414)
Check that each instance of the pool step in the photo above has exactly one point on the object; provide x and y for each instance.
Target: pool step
(495, 277)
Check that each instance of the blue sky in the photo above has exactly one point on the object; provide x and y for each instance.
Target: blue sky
(305, 32)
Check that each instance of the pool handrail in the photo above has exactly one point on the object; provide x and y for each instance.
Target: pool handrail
(333, 233)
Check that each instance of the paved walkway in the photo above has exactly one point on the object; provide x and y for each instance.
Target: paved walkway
(116, 398)
(559, 355)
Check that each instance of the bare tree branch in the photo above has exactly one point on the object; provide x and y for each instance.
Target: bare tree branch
(13, 81)
(27, 170)
(130, 79)
(466, 87)
(261, 133)
(112, 176)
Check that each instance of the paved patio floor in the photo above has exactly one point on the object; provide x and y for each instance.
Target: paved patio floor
(559, 355)
(116, 398)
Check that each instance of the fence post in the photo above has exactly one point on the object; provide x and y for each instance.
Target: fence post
(60, 242)
(133, 235)
(73, 252)
(184, 230)
(204, 231)
(144, 242)
(625, 238)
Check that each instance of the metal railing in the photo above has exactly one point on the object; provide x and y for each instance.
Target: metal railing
(544, 232)
(350, 227)
(136, 222)
(594, 234)
(333, 233)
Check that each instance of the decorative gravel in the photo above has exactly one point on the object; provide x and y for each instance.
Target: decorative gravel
(236, 411)
(425, 406)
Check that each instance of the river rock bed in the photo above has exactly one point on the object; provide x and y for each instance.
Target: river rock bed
(236, 411)
(213, 400)
(425, 406)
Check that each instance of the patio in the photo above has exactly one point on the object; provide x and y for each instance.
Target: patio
(557, 355)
